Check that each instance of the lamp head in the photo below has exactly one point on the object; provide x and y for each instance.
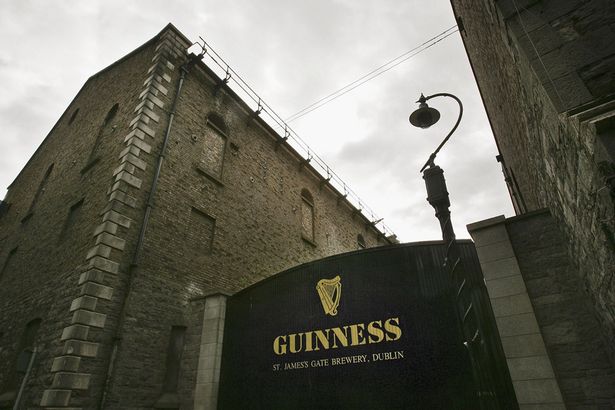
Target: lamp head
(424, 116)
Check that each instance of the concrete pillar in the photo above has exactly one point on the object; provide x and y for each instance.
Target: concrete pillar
(210, 356)
(530, 367)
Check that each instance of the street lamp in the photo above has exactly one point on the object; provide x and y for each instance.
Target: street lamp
(437, 195)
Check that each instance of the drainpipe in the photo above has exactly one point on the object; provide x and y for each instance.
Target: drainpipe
(134, 264)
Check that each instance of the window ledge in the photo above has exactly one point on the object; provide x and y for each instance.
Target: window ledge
(207, 175)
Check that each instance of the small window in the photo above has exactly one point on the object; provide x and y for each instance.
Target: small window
(201, 234)
(72, 117)
(214, 146)
(71, 219)
(39, 191)
(360, 241)
(105, 129)
(111, 114)
(307, 215)
(173, 362)
(7, 262)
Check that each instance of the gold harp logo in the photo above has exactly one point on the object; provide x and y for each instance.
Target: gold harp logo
(330, 291)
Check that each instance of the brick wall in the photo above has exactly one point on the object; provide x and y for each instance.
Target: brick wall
(550, 154)
(100, 307)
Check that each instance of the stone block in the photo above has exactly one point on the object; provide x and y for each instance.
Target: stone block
(129, 179)
(99, 250)
(84, 302)
(537, 391)
(124, 198)
(111, 240)
(97, 290)
(65, 380)
(523, 345)
(145, 128)
(511, 305)
(103, 264)
(92, 275)
(77, 332)
(134, 160)
(89, 318)
(495, 251)
(80, 348)
(108, 226)
(529, 368)
(512, 285)
(66, 363)
(124, 166)
(522, 324)
(55, 397)
(140, 144)
(117, 218)
(500, 268)
(490, 235)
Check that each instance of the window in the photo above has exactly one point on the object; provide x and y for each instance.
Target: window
(174, 355)
(7, 261)
(71, 219)
(214, 145)
(105, 129)
(201, 234)
(360, 241)
(72, 117)
(38, 193)
(307, 215)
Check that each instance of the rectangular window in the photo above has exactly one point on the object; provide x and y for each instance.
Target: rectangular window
(212, 158)
(7, 262)
(174, 356)
(71, 220)
(201, 233)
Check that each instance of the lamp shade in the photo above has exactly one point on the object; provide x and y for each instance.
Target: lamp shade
(424, 116)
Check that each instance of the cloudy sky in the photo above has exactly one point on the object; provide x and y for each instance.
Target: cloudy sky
(292, 53)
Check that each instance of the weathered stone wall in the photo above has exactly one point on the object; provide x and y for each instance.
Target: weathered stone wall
(569, 328)
(42, 279)
(551, 153)
(209, 231)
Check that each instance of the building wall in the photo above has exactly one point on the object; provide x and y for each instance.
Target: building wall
(107, 316)
(254, 211)
(41, 278)
(543, 72)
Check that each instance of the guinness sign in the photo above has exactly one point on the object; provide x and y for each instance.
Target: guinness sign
(390, 340)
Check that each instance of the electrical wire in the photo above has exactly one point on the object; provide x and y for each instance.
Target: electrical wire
(374, 73)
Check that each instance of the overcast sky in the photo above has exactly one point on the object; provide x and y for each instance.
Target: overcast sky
(291, 53)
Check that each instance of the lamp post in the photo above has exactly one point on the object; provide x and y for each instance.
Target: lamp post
(437, 195)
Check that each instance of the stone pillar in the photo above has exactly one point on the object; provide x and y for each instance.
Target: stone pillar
(210, 356)
(530, 368)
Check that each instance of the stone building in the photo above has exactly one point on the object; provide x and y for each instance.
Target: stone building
(546, 73)
(156, 188)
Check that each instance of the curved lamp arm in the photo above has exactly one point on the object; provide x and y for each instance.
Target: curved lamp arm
(423, 99)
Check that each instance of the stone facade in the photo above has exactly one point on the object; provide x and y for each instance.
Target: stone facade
(157, 187)
(545, 73)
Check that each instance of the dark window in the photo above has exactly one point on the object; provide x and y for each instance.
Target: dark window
(72, 117)
(7, 262)
(71, 219)
(105, 129)
(307, 215)
(174, 356)
(360, 241)
(39, 192)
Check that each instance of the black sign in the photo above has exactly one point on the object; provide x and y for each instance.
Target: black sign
(372, 329)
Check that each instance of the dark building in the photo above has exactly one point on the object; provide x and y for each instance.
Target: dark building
(546, 73)
(157, 188)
